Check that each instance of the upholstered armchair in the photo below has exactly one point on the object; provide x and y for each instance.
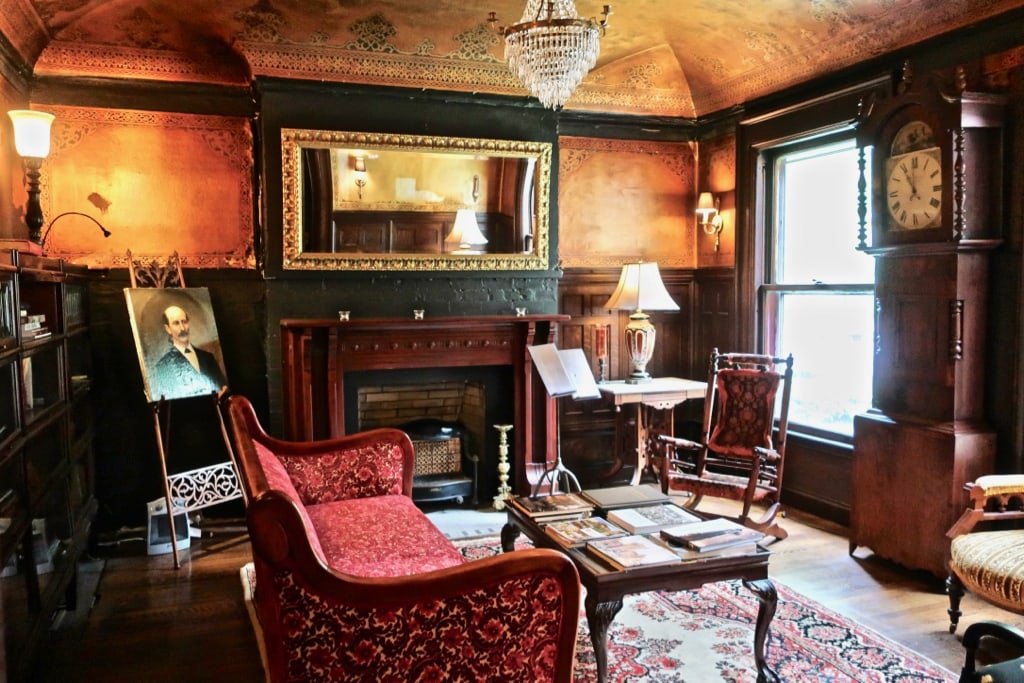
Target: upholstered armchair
(988, 562)
(354, 583)
(1006, 671)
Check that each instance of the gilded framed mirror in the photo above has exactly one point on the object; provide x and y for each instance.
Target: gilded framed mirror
(378, 201)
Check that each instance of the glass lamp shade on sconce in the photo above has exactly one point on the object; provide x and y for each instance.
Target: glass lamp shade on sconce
(711, 221)
(32, 142)
(359, 171)
(640, 288)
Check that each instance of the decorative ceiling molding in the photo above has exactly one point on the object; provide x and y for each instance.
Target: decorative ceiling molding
(901, 26)
(683, 59)
(105, 61)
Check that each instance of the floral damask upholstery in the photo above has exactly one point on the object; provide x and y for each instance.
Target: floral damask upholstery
(350, 534)
(504, 630)
(277, 478)
(354, 583)
(747, 405)
(372, 470)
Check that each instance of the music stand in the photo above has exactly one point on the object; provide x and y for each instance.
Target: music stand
(564, 373)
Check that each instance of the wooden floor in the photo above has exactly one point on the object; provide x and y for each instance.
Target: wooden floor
(153, 623)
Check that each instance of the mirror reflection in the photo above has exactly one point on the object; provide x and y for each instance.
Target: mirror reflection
(379, 201)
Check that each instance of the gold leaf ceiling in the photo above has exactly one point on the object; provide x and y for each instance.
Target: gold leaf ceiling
(665, 58)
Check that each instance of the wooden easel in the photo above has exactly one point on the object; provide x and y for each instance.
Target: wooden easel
(200, 487)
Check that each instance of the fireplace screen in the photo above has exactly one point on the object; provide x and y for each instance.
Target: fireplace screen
(444, 470)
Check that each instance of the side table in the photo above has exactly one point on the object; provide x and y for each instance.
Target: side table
(661, 393)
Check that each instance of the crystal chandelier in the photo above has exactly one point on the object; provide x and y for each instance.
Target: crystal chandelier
(552, 49)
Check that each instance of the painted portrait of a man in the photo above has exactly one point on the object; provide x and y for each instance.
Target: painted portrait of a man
(176, 337)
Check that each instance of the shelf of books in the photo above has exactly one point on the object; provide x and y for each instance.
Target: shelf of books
(46, 482)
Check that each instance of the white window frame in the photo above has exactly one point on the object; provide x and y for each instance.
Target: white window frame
(772, 294)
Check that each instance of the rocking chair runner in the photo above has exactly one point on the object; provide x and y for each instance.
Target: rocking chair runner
(737, 457)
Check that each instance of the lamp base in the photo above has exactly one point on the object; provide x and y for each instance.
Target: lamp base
(640, 336)
(24, 246)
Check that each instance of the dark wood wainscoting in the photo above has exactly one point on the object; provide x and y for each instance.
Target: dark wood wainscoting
(818, 477)
(714, 316)
(413, 232)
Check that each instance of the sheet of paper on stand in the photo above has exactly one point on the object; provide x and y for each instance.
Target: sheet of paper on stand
(564, 372)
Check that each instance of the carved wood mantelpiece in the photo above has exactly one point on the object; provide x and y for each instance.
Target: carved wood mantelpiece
(316, 355)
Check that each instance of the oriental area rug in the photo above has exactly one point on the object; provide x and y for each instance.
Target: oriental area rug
(707, 635)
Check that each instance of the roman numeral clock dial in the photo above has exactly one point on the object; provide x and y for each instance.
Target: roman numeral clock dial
(913, 189)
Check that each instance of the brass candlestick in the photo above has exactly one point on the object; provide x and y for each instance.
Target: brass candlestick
(504, 492)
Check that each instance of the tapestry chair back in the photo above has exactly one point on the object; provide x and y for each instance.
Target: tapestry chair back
(741, 452)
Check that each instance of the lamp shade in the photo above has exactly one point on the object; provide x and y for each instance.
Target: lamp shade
(705, 203)
(640, 288)
(466, 233)
(31, 132)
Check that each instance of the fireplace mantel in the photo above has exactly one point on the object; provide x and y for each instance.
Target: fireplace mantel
(316, 354)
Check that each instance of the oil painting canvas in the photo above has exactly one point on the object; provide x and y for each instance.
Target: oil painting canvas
(177, 342)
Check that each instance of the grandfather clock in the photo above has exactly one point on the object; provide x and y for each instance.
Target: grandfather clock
(935, 199)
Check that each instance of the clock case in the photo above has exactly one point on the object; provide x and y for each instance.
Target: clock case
(926, 433)
(968, 130)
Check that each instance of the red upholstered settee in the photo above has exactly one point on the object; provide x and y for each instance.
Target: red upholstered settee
(354, 583)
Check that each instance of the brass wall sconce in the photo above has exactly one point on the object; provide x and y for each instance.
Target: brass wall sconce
(359, 167)
(711, 220)
(32, 141)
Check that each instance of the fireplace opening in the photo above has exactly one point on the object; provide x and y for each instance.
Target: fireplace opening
(477, 398)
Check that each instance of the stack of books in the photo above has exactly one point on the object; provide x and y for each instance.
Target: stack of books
(575, 532)
(552, 508)
(627, 552)
(33, 326)
(712, 535)
(615, 497)
(651, 518)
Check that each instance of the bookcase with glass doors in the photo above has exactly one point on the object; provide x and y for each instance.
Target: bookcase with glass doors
(46, 451)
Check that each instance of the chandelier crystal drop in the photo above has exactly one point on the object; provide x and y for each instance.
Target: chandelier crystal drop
(551, 49)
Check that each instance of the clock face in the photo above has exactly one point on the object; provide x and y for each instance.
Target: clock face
(913, 189)
(912, 136)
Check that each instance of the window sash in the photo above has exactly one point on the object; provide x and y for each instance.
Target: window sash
(830, 333)
(824, 320)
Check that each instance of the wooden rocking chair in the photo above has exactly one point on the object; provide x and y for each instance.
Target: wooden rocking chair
(737, 457)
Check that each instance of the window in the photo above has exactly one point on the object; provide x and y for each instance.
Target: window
(818, 296)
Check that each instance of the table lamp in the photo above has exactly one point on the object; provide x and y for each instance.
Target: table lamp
(640, 288)
(465, 237)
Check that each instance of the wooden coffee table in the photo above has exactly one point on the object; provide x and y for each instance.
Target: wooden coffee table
(606, 586)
